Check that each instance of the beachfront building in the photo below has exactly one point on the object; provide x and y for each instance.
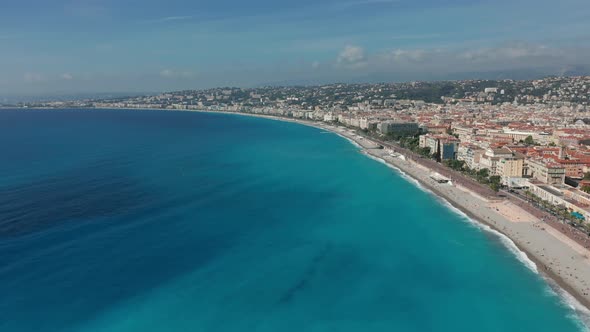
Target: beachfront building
(299, 114)
(429, 141)
(368, 124)
(465, 133)
(511, 169)
(517, 136)
(398, 128)
(574, 168)
(330, 117)
(512, 166)
(364, 123)
(470, 154)
(444, 146)
(546, 171)
(491, 158)
(436, 129)
(448, 148)
(354, 122)
(516, 182)
(383, 128)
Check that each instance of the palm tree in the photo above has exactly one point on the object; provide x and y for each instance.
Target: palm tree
(564, 213)
(531, 197)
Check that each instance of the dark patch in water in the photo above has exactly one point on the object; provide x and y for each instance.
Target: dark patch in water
(306, 277)
(93, 191)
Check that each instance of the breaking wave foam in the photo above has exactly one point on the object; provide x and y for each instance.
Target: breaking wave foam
(582, 317)
(506, 241)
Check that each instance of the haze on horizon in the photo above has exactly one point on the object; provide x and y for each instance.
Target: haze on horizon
(90, 46)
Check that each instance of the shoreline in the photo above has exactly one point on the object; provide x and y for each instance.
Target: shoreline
(568, 292)
(565, 267)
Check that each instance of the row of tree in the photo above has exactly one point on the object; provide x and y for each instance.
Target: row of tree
(493, 181)
(482, 176)
(557, 210)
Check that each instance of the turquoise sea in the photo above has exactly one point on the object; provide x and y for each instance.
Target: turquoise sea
(177, 221)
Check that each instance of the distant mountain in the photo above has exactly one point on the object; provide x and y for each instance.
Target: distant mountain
(393, 77)
(575, 70)
(13, 99)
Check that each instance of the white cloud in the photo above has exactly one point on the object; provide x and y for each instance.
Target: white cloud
(401, 55)
(33, 77)
(166, 73)
(352, 57)
(438, 63)
(169, 73)
(170, 19)
(315, 64)
(512, 51)
(67, 76)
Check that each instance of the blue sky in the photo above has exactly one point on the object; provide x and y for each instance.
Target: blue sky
(71, 46)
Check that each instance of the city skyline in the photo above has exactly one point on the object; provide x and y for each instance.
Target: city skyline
(87, 46)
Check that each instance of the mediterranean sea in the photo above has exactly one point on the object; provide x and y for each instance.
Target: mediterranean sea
(114, 220)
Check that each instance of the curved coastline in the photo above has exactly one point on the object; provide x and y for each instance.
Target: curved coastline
(319, 236)
(555, 284)
(568, 293)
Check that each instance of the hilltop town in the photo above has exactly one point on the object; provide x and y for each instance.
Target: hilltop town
(529, 138)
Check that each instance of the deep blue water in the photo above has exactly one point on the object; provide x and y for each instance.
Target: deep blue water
(176, 221)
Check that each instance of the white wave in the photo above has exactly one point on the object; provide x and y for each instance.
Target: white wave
(403, 174)
(580, 315)
(352, 142)
(348, 139)
(505, 240)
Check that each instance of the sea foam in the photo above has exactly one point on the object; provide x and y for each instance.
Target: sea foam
(583, 313)
(506, 241)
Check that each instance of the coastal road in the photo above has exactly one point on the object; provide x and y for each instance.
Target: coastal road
(458, 178)
(573, 233)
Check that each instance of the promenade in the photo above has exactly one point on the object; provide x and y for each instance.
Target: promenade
(486, 192)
